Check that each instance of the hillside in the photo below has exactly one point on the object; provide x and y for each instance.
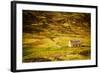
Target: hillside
(48, 33)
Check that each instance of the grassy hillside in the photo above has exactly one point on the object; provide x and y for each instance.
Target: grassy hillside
(46, 36)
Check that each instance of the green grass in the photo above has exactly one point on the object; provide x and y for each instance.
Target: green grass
(55, 54)
(46, 49)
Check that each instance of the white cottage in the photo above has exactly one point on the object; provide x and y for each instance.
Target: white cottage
(74, 43)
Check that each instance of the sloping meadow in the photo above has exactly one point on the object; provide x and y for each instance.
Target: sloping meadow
(46, 36)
